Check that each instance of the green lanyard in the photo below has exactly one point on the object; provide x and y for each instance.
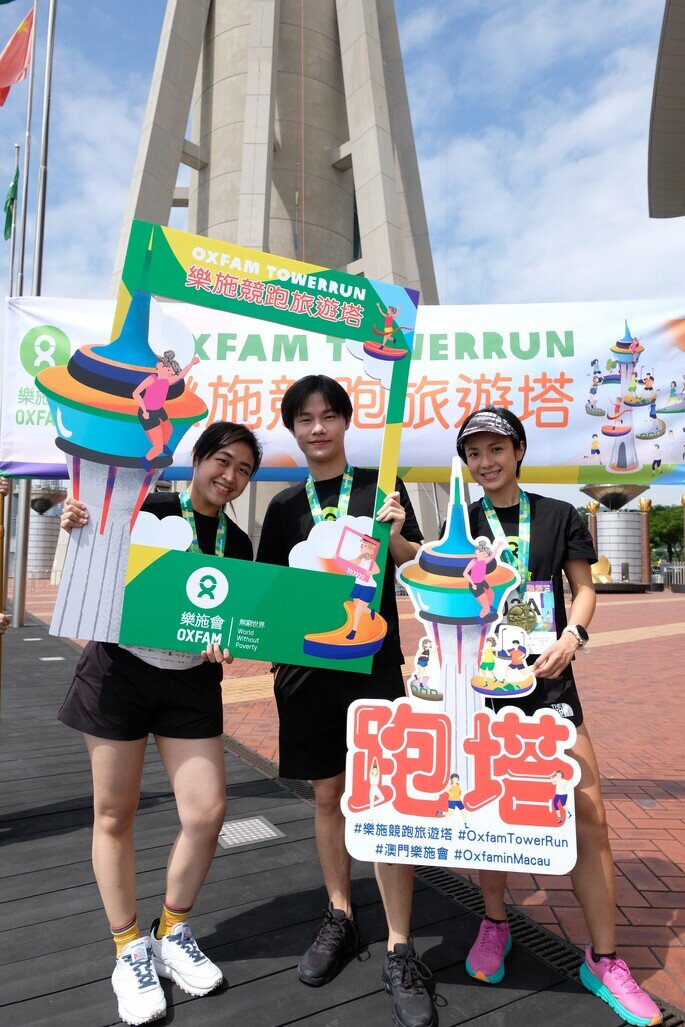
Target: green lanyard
(521, 561)
(343, 499)
(189, 516)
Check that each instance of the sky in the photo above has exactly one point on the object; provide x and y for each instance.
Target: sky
(531, 120)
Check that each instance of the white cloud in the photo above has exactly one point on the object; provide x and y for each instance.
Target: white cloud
(94, 134)
(550, 203)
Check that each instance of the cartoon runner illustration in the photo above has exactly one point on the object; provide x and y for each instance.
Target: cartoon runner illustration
(454, 802)
(424, 655)
(484, 562)
(487, 661)
(656, 459)
(363, 593)
(151, 395)
(594, 448)
(634, 350)
(516, 655)
(388, 332)
(592, 398)
(560, 795)
(375, 793)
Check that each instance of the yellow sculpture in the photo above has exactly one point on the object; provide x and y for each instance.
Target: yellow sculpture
(601, 572)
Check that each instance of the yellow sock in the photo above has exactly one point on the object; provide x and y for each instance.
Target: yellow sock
(122, 936)
(169, 918)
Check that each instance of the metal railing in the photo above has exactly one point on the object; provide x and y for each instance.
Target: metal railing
(670, 574)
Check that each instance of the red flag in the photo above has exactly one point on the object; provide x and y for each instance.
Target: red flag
(15, 58)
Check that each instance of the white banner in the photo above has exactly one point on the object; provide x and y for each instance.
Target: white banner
(600, 387)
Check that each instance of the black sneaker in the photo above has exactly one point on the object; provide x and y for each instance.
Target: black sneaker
(335, 943)
(405, 977)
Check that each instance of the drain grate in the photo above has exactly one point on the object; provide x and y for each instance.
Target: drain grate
(235, 833)
(37, 639)
(51, 659)
(535, 938)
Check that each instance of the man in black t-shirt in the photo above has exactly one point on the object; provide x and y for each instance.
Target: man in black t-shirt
(312, 703)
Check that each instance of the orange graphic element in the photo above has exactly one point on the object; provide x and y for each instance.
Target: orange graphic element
(413, 752)
(483, 391)
(367, 640)
(514, 758)
(238, 400)
(368, 401)
(426, 401)
(545, 400)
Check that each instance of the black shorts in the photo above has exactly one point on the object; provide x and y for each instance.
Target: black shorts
(115, 695)
(561, 695)
(312, 715)
(154, 417)
(478, 588)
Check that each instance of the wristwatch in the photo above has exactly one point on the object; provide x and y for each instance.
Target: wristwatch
(580, 633)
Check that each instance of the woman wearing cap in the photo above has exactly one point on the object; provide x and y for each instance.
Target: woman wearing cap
(543, 537)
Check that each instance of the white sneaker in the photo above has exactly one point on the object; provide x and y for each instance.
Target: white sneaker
(136, 984)
(177, 956)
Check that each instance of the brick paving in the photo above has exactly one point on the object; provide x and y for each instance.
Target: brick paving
(631, 688)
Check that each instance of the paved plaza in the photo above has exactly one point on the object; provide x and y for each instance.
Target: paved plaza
(631, 687)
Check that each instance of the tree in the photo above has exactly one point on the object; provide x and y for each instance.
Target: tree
(666, 530)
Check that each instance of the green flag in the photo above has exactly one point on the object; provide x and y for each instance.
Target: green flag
(10, 200)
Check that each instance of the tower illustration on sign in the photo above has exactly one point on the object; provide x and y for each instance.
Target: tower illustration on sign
(107, 444)
(619, 423)
(459, 608)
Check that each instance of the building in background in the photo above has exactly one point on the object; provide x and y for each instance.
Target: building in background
(294, 120)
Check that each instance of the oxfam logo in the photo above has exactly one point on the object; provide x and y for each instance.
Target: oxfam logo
(44, 346)
(207, 588)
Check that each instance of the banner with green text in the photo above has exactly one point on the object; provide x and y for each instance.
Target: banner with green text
(600, 386)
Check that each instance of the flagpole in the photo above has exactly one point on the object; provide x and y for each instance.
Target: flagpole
(27, 157)
(24, 506)
(24, 495)
(6, 501)
(43, 173)
(13, 231)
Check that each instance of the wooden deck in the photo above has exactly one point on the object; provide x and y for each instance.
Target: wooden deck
(255, 914)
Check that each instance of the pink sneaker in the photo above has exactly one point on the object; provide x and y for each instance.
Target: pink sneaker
(611, 980)
(485, 961)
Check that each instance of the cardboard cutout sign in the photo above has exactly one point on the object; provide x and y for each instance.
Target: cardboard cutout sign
(120, 411)
(438, 778)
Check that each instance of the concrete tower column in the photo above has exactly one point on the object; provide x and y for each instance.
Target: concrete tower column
(301, 137)
(163, 146)
(311, 202)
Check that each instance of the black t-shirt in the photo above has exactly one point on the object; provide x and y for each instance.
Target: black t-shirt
(557, 535)
(238, 545)
(288, 520)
